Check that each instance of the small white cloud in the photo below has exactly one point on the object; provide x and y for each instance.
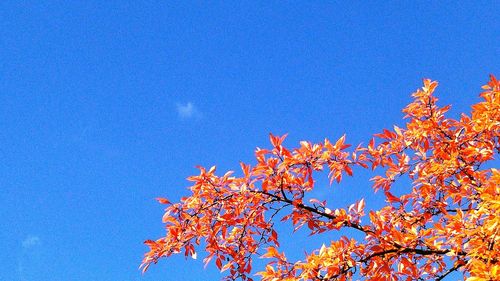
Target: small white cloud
(30, 241)
(187, 110)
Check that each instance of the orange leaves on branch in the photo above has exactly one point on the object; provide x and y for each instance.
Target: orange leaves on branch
(444, 219)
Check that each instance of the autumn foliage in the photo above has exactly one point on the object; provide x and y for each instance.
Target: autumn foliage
(446, 219)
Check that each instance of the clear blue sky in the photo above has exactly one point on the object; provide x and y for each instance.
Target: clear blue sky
(105, 106)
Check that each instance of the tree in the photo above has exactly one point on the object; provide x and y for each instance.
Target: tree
(447, 220)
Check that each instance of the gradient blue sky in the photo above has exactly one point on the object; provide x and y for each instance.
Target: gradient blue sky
(105, 106)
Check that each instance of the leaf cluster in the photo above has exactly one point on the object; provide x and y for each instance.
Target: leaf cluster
(447, 220)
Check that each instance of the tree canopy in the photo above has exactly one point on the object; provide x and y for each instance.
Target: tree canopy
(446, 219)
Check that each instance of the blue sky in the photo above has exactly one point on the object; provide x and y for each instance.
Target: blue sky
(105, 106)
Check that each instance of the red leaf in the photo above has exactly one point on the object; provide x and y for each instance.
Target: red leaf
(163, 201)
